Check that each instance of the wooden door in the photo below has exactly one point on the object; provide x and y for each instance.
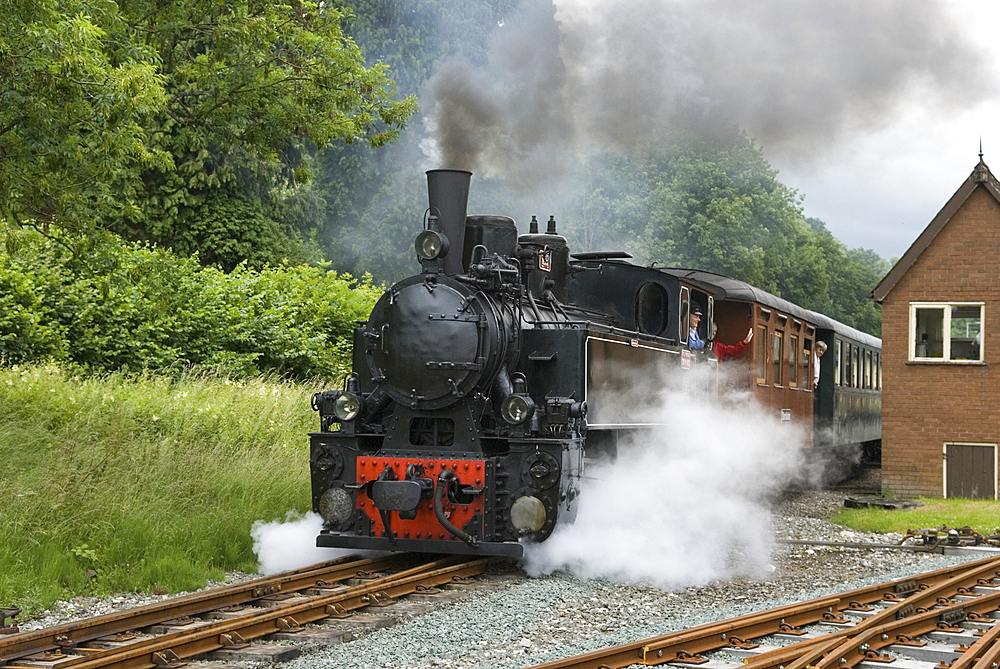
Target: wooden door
(970, 471)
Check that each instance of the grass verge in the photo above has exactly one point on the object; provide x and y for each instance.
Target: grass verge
(982, 516)
(122, 483)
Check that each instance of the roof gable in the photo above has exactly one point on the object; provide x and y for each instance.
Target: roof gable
(981, 176)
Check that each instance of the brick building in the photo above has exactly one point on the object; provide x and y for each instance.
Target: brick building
(941, 351)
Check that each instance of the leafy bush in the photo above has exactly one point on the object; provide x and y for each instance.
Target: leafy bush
(112, 306)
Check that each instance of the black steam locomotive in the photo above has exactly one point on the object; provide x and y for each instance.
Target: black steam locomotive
(481, 384)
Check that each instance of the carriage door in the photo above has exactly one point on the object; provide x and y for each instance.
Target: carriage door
(970, 470)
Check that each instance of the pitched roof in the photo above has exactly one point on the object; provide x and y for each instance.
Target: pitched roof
(981, 176)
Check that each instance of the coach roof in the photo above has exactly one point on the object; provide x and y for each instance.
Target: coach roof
(728, 288)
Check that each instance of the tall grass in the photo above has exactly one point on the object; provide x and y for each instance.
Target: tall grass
(123, 483)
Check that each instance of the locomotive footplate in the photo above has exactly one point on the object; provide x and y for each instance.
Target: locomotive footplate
(498, 548)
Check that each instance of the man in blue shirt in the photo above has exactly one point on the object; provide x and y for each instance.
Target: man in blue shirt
(694, 341)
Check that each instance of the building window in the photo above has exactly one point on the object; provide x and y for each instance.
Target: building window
(946, 332)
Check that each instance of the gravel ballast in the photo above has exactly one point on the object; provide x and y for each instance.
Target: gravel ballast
(544, 619)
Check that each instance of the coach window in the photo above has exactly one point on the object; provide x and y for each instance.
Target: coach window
(807, 346)
(852, 367)
(855, 367)
(847, 365)
(793, 361)
(946, 332)
(868, 370)
(761, 354)
(682, 332)
(837, 376)
(778, 356)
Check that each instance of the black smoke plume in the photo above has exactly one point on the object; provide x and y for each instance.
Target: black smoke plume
(569, 77)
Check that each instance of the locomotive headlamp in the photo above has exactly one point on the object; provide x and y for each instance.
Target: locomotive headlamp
(431, 244)
(516, 409)
(527, 514)
(346, 407)
(336, 505)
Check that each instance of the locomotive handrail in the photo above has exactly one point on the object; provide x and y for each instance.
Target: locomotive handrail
(610, 329)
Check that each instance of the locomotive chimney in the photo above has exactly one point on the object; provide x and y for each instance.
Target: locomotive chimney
(448, 194)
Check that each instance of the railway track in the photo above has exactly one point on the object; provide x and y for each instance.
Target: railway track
(943, 618)
(947, 616)
(162, 635)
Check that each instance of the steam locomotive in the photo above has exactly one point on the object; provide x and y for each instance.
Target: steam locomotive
(481, 385)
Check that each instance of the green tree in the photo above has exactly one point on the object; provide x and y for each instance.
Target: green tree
(251, 88)
(188, 124)
(719, 207)
(75, 101)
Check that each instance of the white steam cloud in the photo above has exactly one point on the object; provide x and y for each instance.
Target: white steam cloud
(684, 505)
(281, 546)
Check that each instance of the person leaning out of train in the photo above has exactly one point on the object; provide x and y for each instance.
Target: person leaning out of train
(727, 351)
(694, 340)
(820, 350)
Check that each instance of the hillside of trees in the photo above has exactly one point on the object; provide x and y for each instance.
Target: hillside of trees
(176, 176)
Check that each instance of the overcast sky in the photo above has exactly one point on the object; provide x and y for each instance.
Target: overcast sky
(880, 189)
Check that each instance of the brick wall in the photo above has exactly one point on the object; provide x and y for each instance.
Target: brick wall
(924, 406)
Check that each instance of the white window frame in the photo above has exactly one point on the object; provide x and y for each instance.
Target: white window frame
(947, 307)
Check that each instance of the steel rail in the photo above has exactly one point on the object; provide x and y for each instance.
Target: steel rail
(865, 645)
(165, 651)
(845, 642)
(983, 653)
(852, 644)
(737, 632)
(14, 646)
(938, 548)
